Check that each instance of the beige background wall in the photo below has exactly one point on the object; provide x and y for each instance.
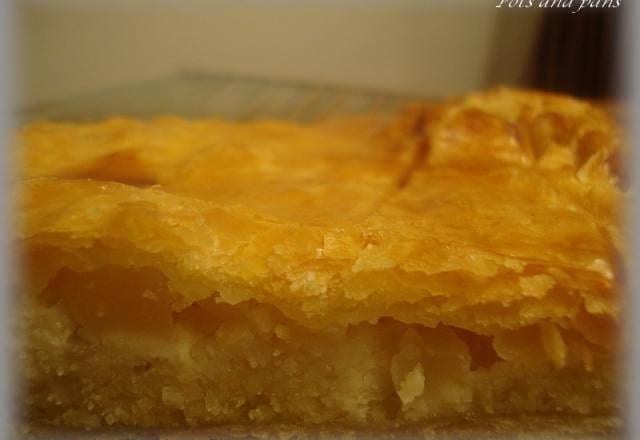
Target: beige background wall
(426, 48)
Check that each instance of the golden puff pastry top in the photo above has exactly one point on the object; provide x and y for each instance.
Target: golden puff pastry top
(493, 211)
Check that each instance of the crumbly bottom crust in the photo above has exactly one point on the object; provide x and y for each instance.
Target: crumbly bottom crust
(248, 364)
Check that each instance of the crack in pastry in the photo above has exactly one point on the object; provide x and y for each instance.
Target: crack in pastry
(460, 260)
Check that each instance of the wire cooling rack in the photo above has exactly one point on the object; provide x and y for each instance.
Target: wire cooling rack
(196, 94)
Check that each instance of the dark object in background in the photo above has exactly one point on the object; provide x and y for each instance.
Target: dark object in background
(579, 53)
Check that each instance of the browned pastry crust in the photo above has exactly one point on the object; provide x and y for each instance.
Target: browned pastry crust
(459, 258)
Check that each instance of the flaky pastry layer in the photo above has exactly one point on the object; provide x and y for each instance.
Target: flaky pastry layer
(494, 215)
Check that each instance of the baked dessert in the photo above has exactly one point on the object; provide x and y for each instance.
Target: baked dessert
(460, 259)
